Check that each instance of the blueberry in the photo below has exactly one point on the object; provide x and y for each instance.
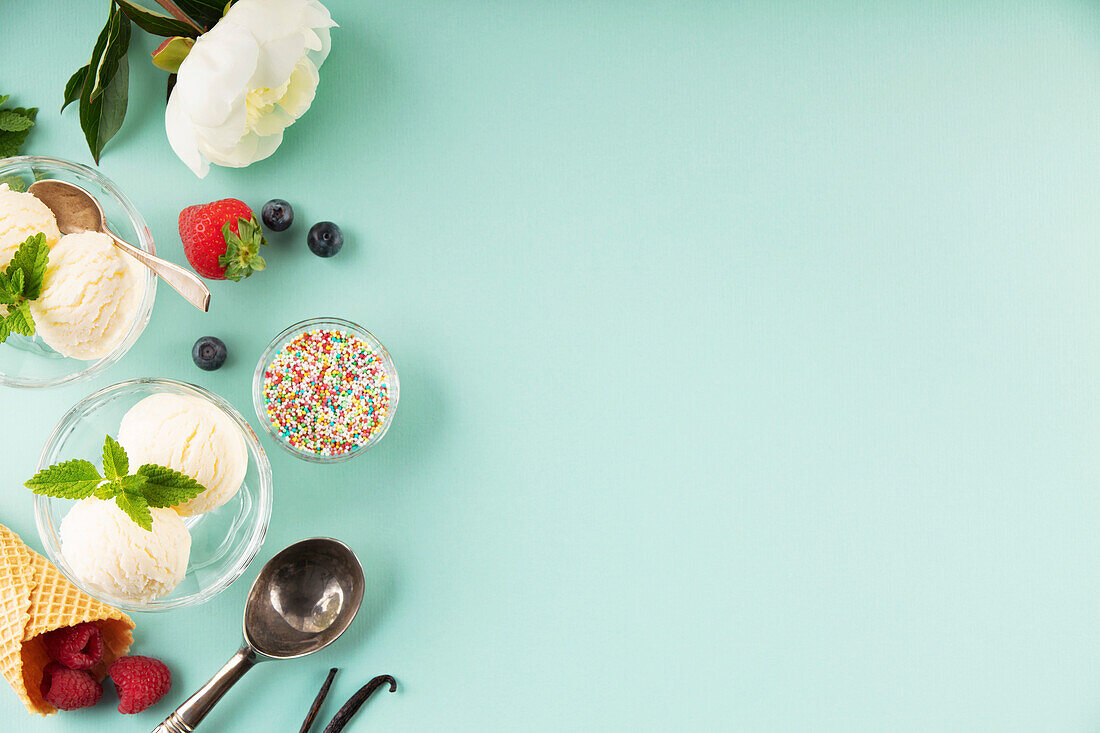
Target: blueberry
(208, 353)
(325, 239)
(277, 215)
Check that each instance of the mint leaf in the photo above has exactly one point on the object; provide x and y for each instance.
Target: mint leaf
(149, 486)
(14, 122)
(131, 484)
(19, 320)
(165, 487)
(106, 491)
(31, 258)
(15, 183)
(136, 508)
(10, 293)
(20, 282)
(75, 479)
(115, 463)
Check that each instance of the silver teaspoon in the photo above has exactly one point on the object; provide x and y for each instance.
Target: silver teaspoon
(303, 600)
(76, 211)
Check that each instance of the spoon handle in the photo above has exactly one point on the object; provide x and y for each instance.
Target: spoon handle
(188, 715)
(183, 281)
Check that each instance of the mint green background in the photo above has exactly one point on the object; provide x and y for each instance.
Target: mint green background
(748, 357)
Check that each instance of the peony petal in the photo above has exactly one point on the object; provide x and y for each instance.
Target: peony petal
(318, 56)
(273, 122)
(183, 138)
(276, 61)
(301, 90)
(251, 148)
(212, 76)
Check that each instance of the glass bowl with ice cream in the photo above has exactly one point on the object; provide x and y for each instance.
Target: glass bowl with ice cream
(192, 550)
(95, 300)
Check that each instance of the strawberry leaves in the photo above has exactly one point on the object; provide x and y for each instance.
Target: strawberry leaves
(150, 486)
(242, 249)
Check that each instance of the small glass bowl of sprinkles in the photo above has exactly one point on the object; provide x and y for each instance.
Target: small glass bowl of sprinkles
(325, 389)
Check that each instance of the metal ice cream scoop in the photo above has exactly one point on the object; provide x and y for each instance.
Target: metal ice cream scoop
(76, 211)
(303, 600)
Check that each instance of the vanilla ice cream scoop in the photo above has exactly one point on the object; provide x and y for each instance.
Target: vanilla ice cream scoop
(91, 294)
(191, 436)
(110, 553)
(21, 216)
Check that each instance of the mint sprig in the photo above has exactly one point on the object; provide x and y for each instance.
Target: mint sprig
(20, 283)
(15, 123)
(150, 486)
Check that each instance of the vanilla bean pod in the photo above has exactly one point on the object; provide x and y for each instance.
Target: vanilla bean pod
(316, 706)
(345, 714)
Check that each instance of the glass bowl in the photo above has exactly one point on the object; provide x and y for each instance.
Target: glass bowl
(223, 541)
(28, 361)
(276, 346)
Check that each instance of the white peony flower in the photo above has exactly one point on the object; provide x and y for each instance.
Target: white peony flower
(245, 81)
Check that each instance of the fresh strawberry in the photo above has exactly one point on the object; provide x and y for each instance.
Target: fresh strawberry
(222, 239)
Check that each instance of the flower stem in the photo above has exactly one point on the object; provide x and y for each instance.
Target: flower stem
(179, 15)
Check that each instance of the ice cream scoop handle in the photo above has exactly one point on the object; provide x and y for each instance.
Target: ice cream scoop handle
(183, 281)
(190, 714)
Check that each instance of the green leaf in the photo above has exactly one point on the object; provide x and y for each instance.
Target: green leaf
(131, 484)
(15, 183)
(153, 22)
(106, 491)
(118, 42)
(106, 85)
(15, 283)
(12, 121)
(165, 487)
(9, 294)
(74, 85)
(12, 140)
(115, 462)
(204, 12)
(19, 320)
(242, 249)
(4, 98)
(136, 508)
(170, 54)
(31, 258)
(75, 479)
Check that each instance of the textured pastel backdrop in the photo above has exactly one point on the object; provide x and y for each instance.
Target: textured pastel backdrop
(748, 357)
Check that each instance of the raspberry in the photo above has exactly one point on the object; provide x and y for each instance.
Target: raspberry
(69, 689)
(76, 647)
(139, 682)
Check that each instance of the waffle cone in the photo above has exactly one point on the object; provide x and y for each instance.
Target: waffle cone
(35, 598)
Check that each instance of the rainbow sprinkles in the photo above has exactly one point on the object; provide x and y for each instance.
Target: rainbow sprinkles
(327, 392)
